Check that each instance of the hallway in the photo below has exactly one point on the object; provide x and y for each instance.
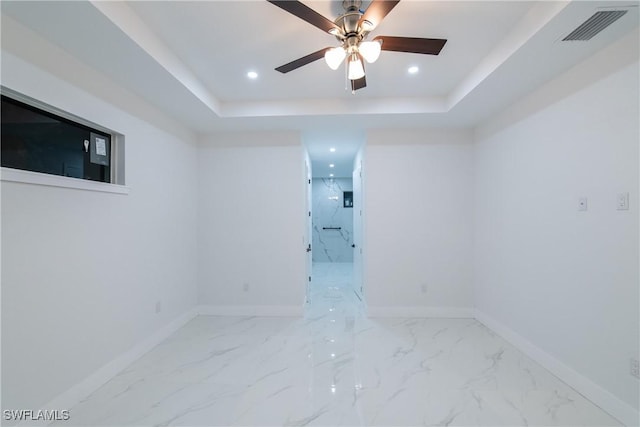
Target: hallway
(335, 367)
(332, 288)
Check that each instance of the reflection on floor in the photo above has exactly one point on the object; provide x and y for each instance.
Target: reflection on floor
(335, 367)
(333, 284)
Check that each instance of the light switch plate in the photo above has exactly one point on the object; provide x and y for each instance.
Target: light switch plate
(622, 203)
(635, 368)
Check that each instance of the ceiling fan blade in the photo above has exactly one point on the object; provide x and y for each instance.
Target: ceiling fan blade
(377, 10)
(302, 61)
(305, 13)
(412, 44)
(358, 84)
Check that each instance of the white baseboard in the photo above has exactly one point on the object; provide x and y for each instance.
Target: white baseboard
(416, 311)
(251, 310)
(84, 388)
(598, 395)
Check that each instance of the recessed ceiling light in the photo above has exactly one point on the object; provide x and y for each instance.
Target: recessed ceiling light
(332, 165)
(330, 175)
(252, 75)
(333, 150)
(413, 70)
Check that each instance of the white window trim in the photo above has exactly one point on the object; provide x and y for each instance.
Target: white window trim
(117, 177)
(36, 178)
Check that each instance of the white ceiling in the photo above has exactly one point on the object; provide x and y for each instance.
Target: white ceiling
(190, 59)
(269, 37)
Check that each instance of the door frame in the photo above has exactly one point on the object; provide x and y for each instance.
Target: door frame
(308, 234)
(358, 230)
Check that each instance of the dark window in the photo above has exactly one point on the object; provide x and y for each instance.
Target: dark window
(39, 141)
(347, 199)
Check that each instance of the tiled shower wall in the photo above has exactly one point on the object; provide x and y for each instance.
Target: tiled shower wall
(331, 244)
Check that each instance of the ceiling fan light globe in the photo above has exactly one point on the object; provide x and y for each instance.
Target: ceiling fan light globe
(334, 57)
(356, 70)
(370, 51)
(367, 25)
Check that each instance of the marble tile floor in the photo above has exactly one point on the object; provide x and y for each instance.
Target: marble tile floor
(335, 367)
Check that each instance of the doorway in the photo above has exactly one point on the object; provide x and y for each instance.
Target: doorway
(335, 221)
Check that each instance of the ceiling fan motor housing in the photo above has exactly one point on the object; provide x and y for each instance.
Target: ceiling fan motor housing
(349, 21)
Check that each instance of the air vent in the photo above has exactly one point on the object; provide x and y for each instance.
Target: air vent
(592, 26)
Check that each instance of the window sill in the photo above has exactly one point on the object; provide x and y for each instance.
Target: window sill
(36, 178)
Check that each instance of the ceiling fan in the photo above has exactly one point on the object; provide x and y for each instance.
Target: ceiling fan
(351, 29)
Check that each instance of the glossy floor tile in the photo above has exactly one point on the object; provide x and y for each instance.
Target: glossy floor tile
(335, 367)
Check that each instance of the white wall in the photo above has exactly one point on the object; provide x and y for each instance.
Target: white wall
(252, 222)
(82, 270)
(329, 211)
(418, 227)
(564, 280)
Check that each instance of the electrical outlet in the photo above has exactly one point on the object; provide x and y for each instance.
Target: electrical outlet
(635, 368)
(245, 286)
(582, 204)
(158, 306)
(622, 203)
(423, 288)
